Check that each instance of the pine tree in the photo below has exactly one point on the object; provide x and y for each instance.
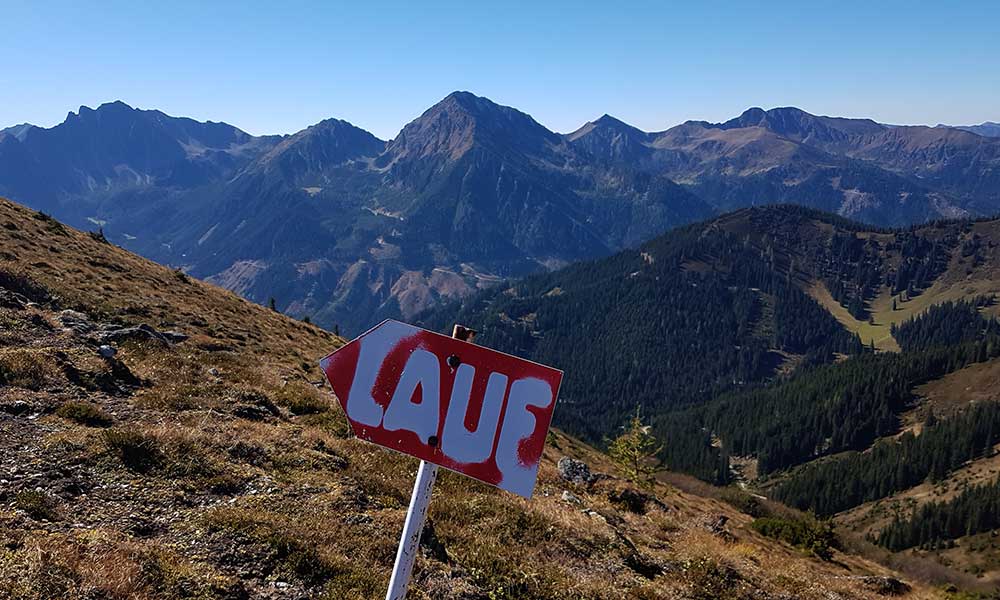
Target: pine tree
(635, 451)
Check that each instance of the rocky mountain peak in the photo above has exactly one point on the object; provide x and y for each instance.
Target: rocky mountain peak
(461, 120)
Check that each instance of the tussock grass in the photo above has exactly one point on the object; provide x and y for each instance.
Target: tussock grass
(172, 452)
(37, 505)
(84, 413)
(28, 368)
(302, 548)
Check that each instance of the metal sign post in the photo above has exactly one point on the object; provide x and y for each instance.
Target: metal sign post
(409, 541)
(416, 515)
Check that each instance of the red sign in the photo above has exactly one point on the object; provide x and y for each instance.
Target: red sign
(467, 408)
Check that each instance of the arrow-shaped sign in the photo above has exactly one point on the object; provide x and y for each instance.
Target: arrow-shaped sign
(467, 408)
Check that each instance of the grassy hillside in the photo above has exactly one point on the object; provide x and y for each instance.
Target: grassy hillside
(216, 466)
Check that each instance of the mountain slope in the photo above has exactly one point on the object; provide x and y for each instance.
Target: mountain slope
(17, 131)
(213, 467)
(91, 165)
(987, 129)
(724, 304)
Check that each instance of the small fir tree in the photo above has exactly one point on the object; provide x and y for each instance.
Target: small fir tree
(635, 451)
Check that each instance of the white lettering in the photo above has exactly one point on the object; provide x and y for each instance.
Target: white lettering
(457, 441)
(375, 347)
(519, 423)
(422, 369)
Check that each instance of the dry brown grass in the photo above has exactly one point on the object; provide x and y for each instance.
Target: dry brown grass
(100, 564)
(28, 368)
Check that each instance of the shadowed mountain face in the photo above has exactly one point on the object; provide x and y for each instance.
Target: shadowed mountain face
(855, 167)
(338, 225)
(18, 131)
(987, 129)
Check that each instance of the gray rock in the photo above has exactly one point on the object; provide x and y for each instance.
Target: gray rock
(717, 526)
(884, 586)
(575, 471)
(17, 408)
(570, 497)
(251, 412)
(9, 299)
(77, 321)
(141, 333)
(174, 337)
(107, 351)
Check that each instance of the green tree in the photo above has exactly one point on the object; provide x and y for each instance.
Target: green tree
(635, 451)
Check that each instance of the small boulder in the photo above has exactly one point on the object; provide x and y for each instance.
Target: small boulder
(885, 586)
(575, 471)
(9, 299)
(570, 497)
(174, 337)
(251, 412)
(717, 526)
(107, 351)
(141, 333)
(17, 408)
(75, 321)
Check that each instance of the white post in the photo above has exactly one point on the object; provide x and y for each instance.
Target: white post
(409, 542)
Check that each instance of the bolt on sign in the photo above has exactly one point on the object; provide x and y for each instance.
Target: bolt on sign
(446, 401)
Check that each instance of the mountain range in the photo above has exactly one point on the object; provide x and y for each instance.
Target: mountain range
(338, 225)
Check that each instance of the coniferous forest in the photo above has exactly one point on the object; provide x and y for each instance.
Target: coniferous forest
(828, 487)
(845, 407)
(932, 525)
(676, 323)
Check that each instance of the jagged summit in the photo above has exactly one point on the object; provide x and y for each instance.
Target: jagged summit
(328, 143)
(795, 122)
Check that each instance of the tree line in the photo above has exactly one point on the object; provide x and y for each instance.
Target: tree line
(932, 525)
(893, 465)
(825, 410)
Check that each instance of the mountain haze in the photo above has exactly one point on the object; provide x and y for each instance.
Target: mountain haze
(338, 225)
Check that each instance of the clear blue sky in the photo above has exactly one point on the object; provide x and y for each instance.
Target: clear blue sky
(276, 67)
